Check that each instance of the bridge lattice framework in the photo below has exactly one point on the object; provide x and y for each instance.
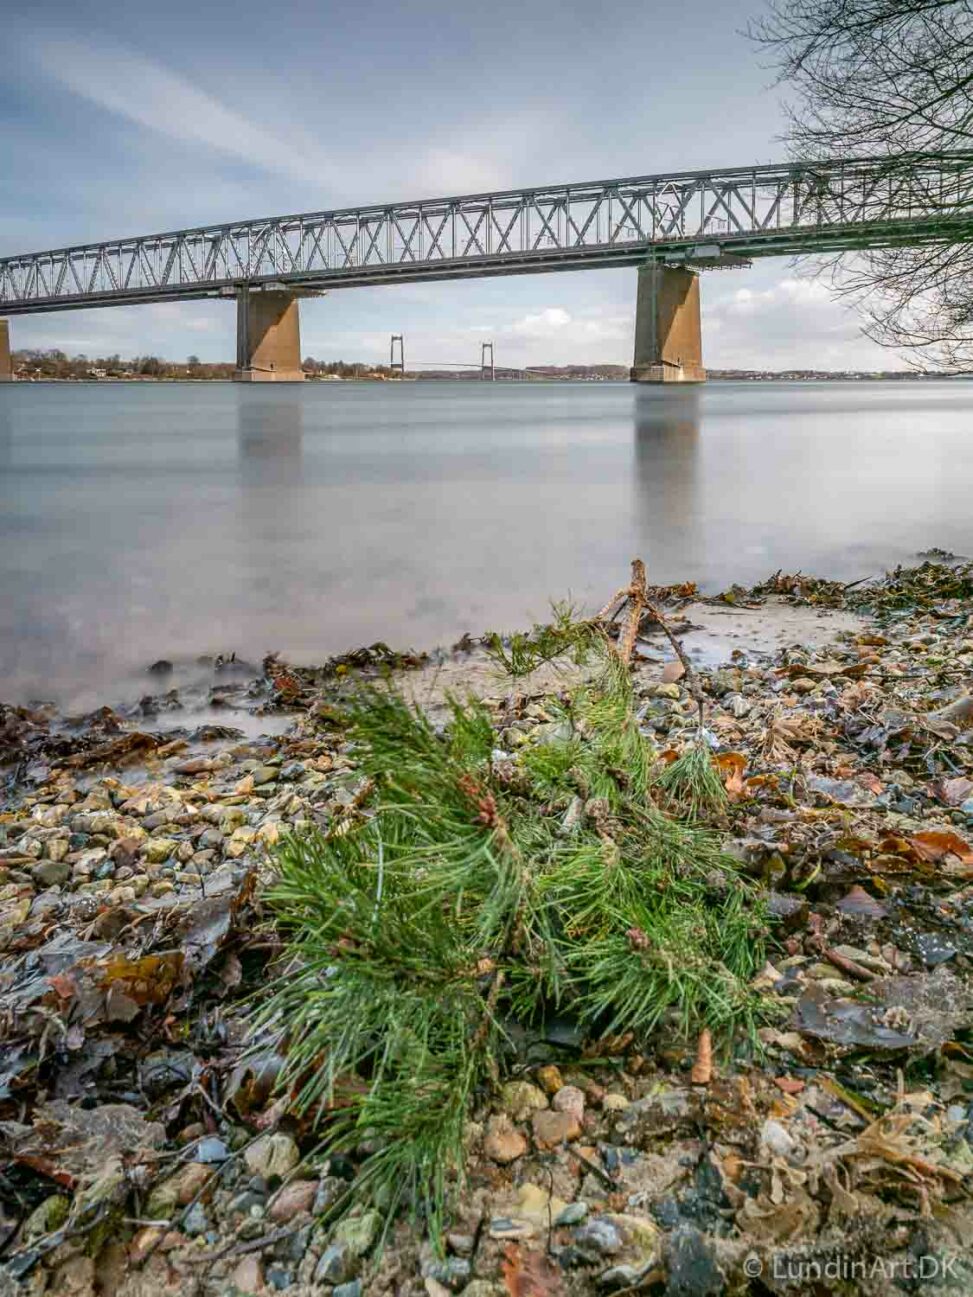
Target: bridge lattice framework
(682, 221)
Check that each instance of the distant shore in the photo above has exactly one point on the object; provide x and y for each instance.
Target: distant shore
(551, 374)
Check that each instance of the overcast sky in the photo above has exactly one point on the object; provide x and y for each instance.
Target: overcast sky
(122, 118)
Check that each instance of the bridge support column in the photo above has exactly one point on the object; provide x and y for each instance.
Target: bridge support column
(668, 338)
(6, 364)
(268, 338)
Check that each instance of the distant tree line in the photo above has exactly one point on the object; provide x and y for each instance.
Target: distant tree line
(343, 369)
(51, 363)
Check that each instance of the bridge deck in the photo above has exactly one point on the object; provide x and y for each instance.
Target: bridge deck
(699, 217)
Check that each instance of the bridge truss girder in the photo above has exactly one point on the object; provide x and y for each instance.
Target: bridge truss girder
(786, 209)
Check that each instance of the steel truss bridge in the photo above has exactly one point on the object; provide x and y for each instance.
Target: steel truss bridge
(698, 218)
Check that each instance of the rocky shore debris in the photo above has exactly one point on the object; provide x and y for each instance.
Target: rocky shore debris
(147, 1146)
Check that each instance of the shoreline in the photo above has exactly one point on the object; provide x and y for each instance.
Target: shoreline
(209, 688)
(712, 375)
(132, 866)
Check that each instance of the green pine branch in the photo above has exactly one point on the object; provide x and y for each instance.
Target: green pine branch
(473, 889)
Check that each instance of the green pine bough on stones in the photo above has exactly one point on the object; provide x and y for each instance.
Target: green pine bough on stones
(474, 889)
(691, 785)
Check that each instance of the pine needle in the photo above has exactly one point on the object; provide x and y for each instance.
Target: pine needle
(463, 896)
(692, 784)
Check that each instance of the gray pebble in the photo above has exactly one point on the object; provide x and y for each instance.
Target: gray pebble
(598, 1238)
(573, 1214)
(336, 1266)
(211, 1149)
(196, 1221)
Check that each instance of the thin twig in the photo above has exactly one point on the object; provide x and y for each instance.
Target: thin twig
(254, 1245)
(636, 597)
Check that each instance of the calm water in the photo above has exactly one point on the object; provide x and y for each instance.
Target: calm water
(138, 522)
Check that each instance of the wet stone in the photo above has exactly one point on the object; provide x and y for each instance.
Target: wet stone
(554, 1128)
(453, 1273)
(243, 1203)
(693, 1269)
(211, 1149)
(358, 1232)
(328, 1192)
(336, 1265)
(520, 1099)
(573, 1214)
(569, 1099)
(51, 873)
(293, 1199)
(272, 1155)
(503, 1143)
(196, 1220)
(598, 1238)
(931, 948)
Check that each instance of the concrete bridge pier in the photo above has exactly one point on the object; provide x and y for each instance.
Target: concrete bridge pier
(668, 337)
(6, 364)
(268, 337)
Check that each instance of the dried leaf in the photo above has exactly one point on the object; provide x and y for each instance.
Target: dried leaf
(934, 844)
(63, 985)
(952, 792)
(949, 721)
(731, 766)
(859, 902)
(840, 792)
(149, 980)
(789, 1084)
(529, 1273)
(786, 729)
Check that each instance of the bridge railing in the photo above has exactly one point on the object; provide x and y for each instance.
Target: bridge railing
(795, 207)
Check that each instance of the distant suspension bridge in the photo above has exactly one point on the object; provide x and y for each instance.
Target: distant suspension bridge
(489, 371)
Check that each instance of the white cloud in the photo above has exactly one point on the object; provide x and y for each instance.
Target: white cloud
(791, 322)
(451, 170)
(542, 324)
(133, 87)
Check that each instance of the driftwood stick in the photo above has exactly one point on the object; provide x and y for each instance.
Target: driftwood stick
(634, 600)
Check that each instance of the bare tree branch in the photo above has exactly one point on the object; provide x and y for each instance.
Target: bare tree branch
(886, 77)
